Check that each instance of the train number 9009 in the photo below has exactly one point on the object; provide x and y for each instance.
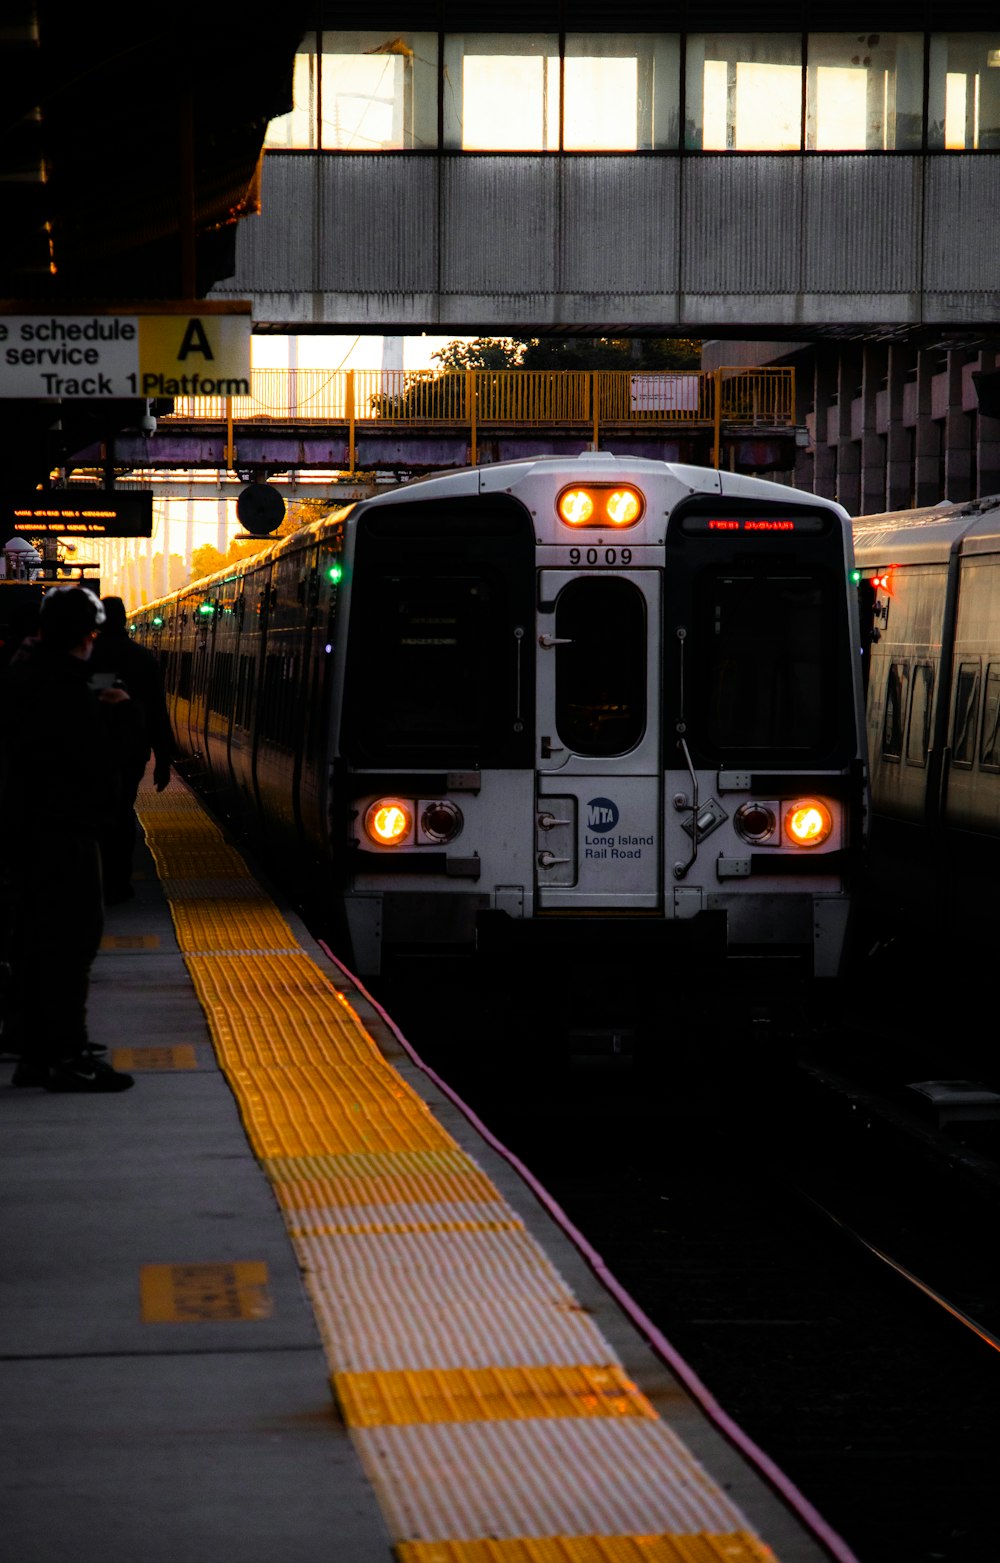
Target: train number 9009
(610, 556)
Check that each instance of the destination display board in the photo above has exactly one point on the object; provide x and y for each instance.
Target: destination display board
(92, 512)
(196, 348)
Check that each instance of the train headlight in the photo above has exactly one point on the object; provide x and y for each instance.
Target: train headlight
(808, 822)
(600, 504)
(388, 821)
(441, 821)
(576, 506)
(623, 506)
(755, 822)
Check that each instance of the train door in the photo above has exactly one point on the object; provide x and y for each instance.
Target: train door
(598, 771)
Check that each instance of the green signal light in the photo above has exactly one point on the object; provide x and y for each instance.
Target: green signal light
(335, 573)
(157, 622)
(207, 608)
(855, 577)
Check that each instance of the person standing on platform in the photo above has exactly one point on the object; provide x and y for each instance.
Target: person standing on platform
(56, 782)
(137, 670)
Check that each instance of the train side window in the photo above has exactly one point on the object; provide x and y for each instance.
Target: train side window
(918, 732)
(963, 738)
(989, 748)
(184, 681)
(601, 671)
(895, 707)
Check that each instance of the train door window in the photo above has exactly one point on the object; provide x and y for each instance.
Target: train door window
(918, 733)
(895, 708)
(989, 748)
(184, 681)
(601, 671)
(963, 740)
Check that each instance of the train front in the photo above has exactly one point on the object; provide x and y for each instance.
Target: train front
(597, 703)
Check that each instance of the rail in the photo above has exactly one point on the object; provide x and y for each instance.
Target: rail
(525, 398)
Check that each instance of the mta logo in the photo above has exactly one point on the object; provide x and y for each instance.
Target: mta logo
(603, 814)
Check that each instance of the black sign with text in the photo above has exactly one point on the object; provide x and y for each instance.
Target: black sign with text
(91, 512)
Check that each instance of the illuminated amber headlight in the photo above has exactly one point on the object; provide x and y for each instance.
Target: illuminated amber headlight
(600, 505)
(755, 822)
(388, 821)
(576, 506)
(808, 822)
(623, 506)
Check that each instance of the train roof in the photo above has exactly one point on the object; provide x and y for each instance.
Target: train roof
(929, 534)
(504, 476)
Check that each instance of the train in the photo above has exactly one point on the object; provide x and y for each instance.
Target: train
(930, 609)
(586, 703)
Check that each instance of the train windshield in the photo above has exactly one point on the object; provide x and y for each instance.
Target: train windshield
(437, 659)
(767, 647)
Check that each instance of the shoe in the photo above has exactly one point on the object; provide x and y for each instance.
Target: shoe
(30, 1072)
(94, 1049)
(84, 1072)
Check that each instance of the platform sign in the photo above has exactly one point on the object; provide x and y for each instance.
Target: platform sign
(92, 512)
(197, 348)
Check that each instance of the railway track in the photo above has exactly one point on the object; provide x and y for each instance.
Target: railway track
(826, 1273)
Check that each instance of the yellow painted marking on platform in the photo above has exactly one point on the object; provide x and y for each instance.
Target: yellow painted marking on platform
(180, 1056)
(130, 941)
(487, 1395)
(335, 1126)
(699, 1547)
(418, 1189)
(204, 1293)
(447, 1164)
(359, 1228)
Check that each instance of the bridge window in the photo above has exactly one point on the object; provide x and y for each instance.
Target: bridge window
(964, 103)
(744, 92)
(501, 92)
(864, 92)
(621, 92)
(371, 92)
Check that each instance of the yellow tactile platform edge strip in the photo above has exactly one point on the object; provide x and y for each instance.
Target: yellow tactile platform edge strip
(381, 1205)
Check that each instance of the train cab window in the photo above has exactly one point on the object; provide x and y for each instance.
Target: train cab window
(765, 662)
(989, 748)
(918, 732)
(601, 672)
(963, 740)
(895, 710)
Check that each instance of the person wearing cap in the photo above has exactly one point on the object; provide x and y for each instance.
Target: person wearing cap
(54, 773)
(148, 733)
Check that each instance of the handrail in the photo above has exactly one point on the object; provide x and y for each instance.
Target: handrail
(527, 398)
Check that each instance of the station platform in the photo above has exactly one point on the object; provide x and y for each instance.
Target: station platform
(286, 1299)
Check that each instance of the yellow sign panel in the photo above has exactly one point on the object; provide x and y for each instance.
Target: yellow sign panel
(204, 1293)
(194, 355)
(188, 348)
(180, 1056)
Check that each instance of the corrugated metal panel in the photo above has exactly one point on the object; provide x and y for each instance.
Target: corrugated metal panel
(861, 224)
(741, 225)
(619, 225)
(499, 219)
(378, 228)
(962, 231)
(276, 250)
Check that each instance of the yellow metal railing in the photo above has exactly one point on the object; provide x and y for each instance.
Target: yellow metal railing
(527, 397)
(522, 398)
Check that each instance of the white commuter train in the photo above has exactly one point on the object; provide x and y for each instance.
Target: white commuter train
(592, 702)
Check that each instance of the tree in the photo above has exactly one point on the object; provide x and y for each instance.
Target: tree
(552, 352)
(299, 512)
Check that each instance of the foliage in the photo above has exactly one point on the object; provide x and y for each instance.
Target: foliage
(299, 512)
(634, 353)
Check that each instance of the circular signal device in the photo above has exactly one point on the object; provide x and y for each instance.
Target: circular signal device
(388, 821)
(808, 822)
